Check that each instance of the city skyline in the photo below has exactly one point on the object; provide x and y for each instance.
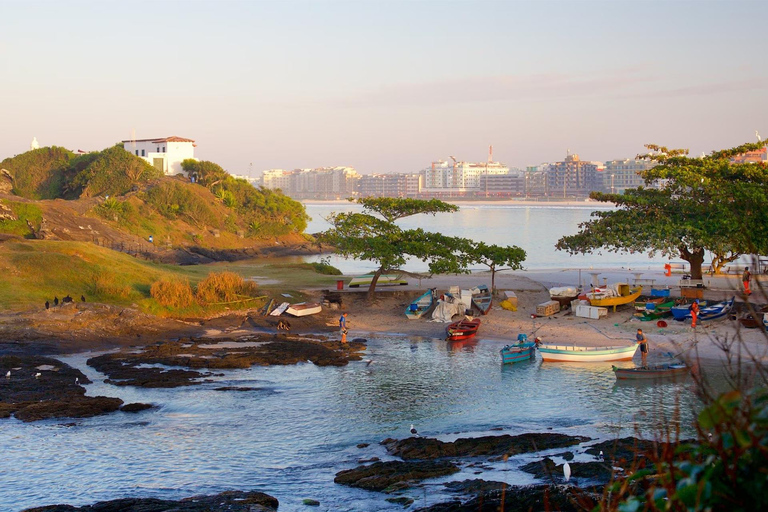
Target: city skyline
(384, 86)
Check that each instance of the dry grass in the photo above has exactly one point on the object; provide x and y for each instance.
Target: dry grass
(222, 287)
(173, 293)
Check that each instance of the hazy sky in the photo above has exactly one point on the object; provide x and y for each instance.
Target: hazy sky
(384, 86)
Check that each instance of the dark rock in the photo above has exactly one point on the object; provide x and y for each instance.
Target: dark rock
(230, 501)
(368, 461)
(381, 476)
(311, 503)
(55, 393)
(524, 499)
(363, 445)
(421, 448)
(401, 500)
(624, 451)
(547, 469)
(136, 407)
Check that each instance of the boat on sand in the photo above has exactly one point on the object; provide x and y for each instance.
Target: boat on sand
(421, 306)
(615, 295)
(304, 309)
(482, 299)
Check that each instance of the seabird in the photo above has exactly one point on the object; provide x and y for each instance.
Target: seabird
(368, 362)
(37, 375)
(601, 455)
(413, 431)
(77, 381)
(8, 374)
(567, 471)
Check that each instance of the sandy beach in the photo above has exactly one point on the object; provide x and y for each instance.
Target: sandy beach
(532, 289)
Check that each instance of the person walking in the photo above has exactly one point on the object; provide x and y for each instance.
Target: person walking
(746, 277)
(694, 312)
(643, 342)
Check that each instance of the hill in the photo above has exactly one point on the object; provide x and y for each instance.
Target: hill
(117, 200)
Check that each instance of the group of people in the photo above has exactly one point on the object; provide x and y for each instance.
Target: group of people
(63, 301)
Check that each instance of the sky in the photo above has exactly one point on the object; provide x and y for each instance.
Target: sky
(384, 86)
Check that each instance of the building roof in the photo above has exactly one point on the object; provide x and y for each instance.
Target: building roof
(172, 138)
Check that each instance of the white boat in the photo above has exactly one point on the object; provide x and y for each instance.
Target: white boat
(304, 309)
(384, 280)
(574, 353)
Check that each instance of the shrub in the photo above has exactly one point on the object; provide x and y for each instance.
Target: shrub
(173, 293)
(324, 267)
(224, 287)
(106, 285)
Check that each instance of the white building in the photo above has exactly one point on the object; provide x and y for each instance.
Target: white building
(163, 154)
(460, 175)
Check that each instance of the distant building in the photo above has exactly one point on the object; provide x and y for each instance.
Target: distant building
(761, 155)
(460, 176)
(34, 144)
(619, 175)
(320, 183)
(390, 185)
(571, 178)
(163, 154)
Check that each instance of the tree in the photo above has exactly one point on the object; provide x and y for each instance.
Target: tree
(377, 238)
(495, 258)
(708, 203)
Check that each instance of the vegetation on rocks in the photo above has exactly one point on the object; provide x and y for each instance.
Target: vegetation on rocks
(40, 173)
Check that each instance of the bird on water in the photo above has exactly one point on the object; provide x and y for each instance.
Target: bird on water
(413, 431)
(567, 471)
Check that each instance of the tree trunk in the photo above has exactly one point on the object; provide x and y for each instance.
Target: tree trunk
(371, 289)
(719, 261)
(695, 258)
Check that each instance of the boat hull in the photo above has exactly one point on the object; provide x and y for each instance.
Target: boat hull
(384, 280)
(605, 302)
(482, 300)
(712, 312)
(669, 371)
(304, 309)
(420, 306)
(517, 353)
(575, 354)
(462, 330)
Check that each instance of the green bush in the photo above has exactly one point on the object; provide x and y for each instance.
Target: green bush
(176, 200)
(40, 173)
(324, 267)
(113, 171)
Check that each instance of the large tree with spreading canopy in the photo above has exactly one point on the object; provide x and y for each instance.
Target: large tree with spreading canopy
(713, 203)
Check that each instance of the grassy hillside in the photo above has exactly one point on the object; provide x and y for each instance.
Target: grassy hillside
(40, 173)
(33, 271)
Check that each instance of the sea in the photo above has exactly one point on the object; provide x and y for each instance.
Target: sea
(532, 227)
(301, 424)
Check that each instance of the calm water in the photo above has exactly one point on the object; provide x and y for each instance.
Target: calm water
(302, 425)
(533, 228)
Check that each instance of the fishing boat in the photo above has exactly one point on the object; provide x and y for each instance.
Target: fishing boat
(617, 295)
(384, 280)
(421, 306)
(661, 371)
(573, 353)
(304, 309)
(523, 350)
(712, 312)
(564, 295)
(482, 299)
(655, 311)
(462, 329)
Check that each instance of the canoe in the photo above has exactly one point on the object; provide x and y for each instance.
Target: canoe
(712, 312)
(482, 299)
(661, 371)
(421, 306)
(661, 310)
(573, 353)
(462, 329)
(601, 299)
(304, 309)
(523, 350)
(384, 280)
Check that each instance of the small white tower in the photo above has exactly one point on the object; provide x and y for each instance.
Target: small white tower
(34, 144)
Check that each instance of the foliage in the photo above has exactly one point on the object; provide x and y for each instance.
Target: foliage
(368, 237)
(107, 285)
(496, 258)
(28, 219)
(175, 200)
(221, 287)
(39, 173)
(204, 172)
(114, 209)
(113, 171)
(706, 203)
(172, 293)
(324, 267)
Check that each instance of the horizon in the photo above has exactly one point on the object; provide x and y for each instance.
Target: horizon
(384, 87)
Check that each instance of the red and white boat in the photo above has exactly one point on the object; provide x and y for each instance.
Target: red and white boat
(462, 329)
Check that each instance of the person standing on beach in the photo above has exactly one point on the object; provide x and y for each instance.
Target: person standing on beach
(643, 342)
(694, 312)
(746, 277)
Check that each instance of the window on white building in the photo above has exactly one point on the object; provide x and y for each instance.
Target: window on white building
(137, 152)
(142, 153)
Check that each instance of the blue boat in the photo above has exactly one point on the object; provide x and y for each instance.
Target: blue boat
(523, 350)
(712, 312)
(421, 306)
